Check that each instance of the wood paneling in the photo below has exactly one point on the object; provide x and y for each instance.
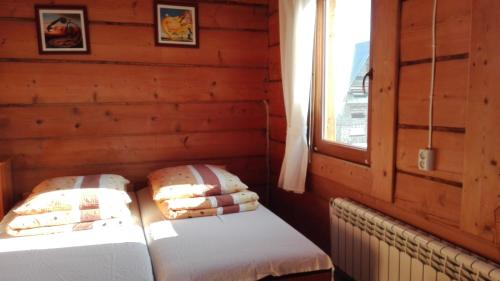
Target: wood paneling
(449, 161)
(274, 63)
(276, 157)
(341, 172)
(383, 97)
(27, 83)
(481, 192)
(130, 107)
(211, 15)
(275, 95)
(101, 119)
(81, 151)
(217, 46)
(274, 30)
(453, 28)
(273, 6)
(449, 97)
(278, 128)
(497, 225)
(436, 202)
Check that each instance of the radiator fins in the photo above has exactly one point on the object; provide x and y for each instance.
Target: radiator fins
(443, 257)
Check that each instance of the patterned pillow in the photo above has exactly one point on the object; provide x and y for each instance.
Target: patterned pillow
(69, 217)
(193, 181)
(105, 225)
(75, 193)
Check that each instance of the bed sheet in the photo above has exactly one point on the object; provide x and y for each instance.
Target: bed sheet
(242, 246)
(107, 254)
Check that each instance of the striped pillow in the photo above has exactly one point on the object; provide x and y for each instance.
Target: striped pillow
(193, 181)
(75, 193)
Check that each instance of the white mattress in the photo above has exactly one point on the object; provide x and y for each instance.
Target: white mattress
(92, 255)
(242, 246)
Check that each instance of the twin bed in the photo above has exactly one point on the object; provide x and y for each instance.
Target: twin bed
(242, 246)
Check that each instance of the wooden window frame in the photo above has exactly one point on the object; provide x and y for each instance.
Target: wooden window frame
(338, 150)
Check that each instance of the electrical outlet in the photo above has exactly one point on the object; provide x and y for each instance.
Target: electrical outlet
(425, 159)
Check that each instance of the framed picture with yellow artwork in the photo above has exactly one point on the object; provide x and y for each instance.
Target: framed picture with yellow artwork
(176, 24)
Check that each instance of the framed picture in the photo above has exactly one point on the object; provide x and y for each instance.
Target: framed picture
(176, 24)
(62, 29)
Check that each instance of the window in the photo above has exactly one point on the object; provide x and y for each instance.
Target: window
(343, 67)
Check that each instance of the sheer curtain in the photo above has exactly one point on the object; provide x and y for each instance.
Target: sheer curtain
(297, 26)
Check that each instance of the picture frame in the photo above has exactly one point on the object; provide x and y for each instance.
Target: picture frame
(62, 29)
(176, 24)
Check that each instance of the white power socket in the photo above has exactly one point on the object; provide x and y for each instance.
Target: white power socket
(426, 159)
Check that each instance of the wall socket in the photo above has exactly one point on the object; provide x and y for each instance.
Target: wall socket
(426, 159)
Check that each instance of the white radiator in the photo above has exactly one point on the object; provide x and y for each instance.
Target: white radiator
(370, 246)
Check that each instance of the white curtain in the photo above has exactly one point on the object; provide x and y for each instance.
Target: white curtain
(297, 26)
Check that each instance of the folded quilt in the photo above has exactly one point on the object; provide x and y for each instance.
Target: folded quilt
(68, 217)
(184, 214)
(67, 228)
(210, 201)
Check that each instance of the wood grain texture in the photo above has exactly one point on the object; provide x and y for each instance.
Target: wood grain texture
(130, 107)
(217, 47)
(274, 29)
(436, 202)
(276, 157)
(341, 172)
(81, 151)
(481, 191)
(274, 63)
(278, 129)
(30, 83)
(449, 96)
(453, 28)
(100, 119)
(449, 147)
(211, 15)
(273, 6)
(383, 97)
(497, 226)
(275, 96)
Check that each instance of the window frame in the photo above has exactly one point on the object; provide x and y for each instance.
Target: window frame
(338, 150)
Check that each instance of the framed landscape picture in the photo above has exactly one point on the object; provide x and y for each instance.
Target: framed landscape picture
(62, 29)
(176, 24)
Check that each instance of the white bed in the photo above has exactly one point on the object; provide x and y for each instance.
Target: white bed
(119, 253)
(243, 246)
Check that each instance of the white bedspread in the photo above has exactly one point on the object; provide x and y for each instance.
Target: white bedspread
(242, 246)
(91, 255)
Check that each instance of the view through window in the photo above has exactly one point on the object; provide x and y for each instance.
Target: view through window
(346, 62)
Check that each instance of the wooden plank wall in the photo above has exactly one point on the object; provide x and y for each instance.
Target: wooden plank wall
(131, 107)
(434, 201)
